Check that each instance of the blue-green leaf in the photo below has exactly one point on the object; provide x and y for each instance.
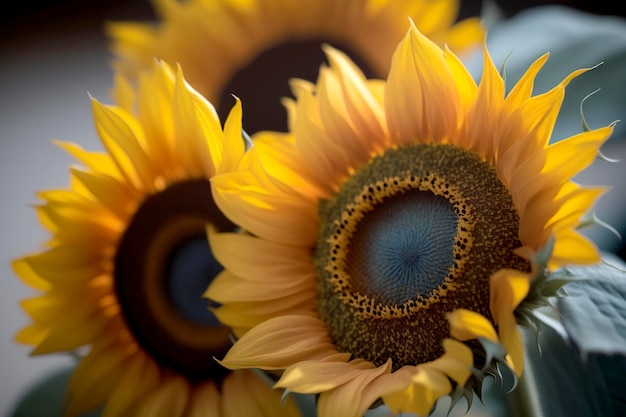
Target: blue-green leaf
(45, 399)
(594, 311)
(594, 316)
(556, 382)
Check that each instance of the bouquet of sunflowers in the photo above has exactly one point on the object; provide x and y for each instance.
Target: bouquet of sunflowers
(315, 208)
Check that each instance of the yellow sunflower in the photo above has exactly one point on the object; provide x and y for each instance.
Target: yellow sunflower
(251, 48)
(124, 270)
(395, 222)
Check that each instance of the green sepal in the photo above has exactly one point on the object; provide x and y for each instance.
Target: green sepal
(591, 219)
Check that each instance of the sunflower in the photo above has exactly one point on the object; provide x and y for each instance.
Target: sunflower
(128, 260)
(251, 48)
(391, 234)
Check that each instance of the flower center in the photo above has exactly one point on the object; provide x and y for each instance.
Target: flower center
(263, 83)
(402, 248)
(414, 234)
(163, 265)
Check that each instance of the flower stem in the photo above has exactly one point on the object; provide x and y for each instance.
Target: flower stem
(524, 400)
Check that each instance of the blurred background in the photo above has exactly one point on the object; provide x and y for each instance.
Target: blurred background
(53, 54)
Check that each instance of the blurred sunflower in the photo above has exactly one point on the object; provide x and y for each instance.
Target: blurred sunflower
(394, 221)
(251, 48)
(128, 260)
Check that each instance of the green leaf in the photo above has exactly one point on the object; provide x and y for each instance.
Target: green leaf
(594, 311)
(594, 316)
(556, 382)
(45, 399)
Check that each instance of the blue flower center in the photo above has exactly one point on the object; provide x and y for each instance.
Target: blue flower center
(191, 270)
(404, 247)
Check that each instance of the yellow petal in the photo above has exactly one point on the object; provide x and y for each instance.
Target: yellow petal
(141, 376)
(249, 314)
(508, 287)
(224, 289)
(426, 388)
(110, 193)
(327, 162)
(467, 325)
(568, 157)
(456, 362)
(335, 118)
(362, 109)
(270, 214)
(523, 89)
(94, 379)
(234, 145)
(66, 264)
(189, 134)
(284, 162)
(121, 136)
(511, 339)
(466, 86)
(70, 332)
(421, 99)
(32, 334)
(23, 270)
(156, 90)
(572, 207)
(206, 401)
(169, 399)
(280, 342)
(363, 388)
(260, 260)
(486, 110)
(95, 161)
(123, 92)
(311, 377)
(260, 398)
(571, 247)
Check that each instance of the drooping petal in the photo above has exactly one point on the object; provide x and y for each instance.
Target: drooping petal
(467, 325)
(508, 289)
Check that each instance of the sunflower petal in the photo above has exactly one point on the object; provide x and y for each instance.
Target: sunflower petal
(427, 386)
(280, 342)
(467, 325)
(363, 388)
(261, 398)
(421, 100)
(207, 401)
(141, 376)
(121, 136)
(169, 399)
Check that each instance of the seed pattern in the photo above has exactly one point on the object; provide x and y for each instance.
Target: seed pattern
(486, 235)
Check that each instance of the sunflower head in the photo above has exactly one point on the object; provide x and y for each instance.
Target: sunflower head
(252, 48)
(392, 233)
(128, 259)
